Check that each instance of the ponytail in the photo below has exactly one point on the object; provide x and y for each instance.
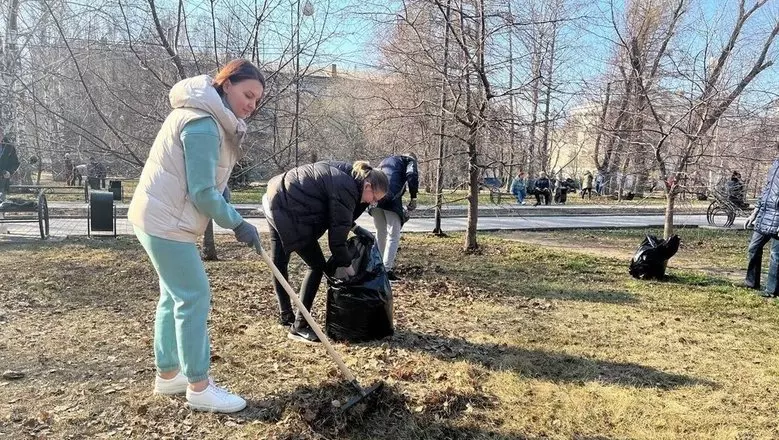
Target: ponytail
(364, 171)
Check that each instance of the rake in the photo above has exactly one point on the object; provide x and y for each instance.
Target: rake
(362, 393)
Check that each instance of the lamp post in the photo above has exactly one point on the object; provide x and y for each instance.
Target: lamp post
(308, 10)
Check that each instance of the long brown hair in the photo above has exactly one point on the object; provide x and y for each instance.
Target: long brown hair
(236, 71)
(364, 171)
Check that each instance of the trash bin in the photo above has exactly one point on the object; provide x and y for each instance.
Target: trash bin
(101, 212)
(115, 187)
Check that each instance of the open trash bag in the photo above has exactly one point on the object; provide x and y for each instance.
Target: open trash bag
(359, 308)
(651, 258)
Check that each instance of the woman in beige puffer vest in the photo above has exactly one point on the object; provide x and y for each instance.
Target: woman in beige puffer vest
(179, 192)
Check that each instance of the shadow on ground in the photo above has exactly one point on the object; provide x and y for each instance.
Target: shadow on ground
(555, 367)
(308, 412)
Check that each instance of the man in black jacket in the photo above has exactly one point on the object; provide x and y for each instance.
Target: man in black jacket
(541, 188)
(388, 216)
(302, 204)
(9, 163)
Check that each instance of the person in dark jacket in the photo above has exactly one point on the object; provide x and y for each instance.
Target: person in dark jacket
(736, 193)
(542, 189)
(68, 171)
(765, 220)
(96, 174)
(300, 206)
(388, 216)
(9, 163)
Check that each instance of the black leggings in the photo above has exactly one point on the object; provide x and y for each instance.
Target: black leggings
(312, 255)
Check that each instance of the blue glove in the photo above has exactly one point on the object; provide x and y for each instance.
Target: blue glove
(247, 233)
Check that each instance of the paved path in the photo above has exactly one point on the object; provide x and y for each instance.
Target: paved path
(77, 209)
(78, 227)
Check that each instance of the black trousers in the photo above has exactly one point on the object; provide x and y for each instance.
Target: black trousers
(542, 192)
(312, 255)
(587, 191)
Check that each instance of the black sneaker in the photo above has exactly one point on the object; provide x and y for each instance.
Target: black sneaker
(304, 335)
(392, 277)
(286, 320)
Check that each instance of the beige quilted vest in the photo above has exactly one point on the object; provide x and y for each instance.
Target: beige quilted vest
(161, 206)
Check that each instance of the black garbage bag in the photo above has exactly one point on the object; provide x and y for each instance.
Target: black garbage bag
(359, 308)
(651, 258)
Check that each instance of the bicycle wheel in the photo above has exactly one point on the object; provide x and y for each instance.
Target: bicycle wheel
(710, 210)
(721, 217)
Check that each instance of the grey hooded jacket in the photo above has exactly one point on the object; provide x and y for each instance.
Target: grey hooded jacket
(767, 220)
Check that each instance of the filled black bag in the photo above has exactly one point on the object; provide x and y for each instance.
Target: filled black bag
(651, 258)
(359, 308)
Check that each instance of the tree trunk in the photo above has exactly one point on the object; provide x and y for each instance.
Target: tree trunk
(439, 181)
(471, 244)
(209, 247)
(531, 168)
(543, 147)
(668, 225)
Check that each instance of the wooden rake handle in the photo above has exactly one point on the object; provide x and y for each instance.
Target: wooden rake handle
(302, 309)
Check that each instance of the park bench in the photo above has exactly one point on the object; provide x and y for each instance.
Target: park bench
(52, 189)
(26, 210)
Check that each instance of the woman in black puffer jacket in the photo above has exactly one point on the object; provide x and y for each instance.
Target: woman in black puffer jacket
(300, 206)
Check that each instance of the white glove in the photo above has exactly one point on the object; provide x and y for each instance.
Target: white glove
(344, 272)
(751, 219)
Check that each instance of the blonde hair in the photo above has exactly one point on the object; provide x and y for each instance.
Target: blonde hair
(364, 171)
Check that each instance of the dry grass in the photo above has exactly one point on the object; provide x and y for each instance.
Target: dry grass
(520, 341)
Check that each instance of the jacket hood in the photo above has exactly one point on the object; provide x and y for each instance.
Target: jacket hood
(198, 93)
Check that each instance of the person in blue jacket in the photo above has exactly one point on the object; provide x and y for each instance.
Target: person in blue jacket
(389, 216)
(178, 193)
(765, 221)
(519, 188)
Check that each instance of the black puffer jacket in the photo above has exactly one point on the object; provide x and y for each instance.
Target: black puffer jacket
(309, 200)
(767, 220)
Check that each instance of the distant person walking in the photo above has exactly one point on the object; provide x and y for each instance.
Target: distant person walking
(68, 171)
(96, 174)
(80, 172)
(587, 185)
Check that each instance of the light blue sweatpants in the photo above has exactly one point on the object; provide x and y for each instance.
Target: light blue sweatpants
(180, 326)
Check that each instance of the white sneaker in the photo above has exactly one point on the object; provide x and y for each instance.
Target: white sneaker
(214, 399)
(177, 385)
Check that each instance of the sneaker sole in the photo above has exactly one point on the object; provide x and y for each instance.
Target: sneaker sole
(298, 338)
(164, 392)
(216, 409)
